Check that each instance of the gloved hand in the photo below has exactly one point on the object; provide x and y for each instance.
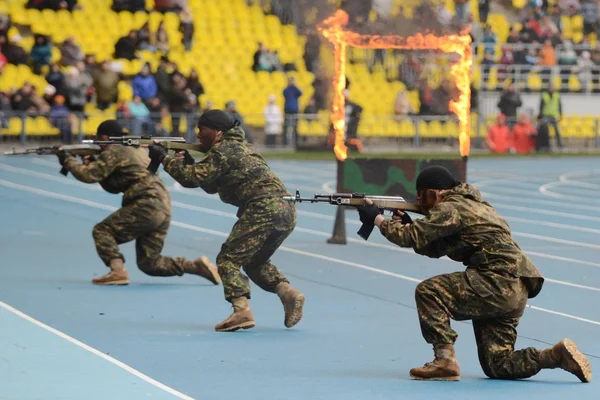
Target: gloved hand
(87, 159)
(62, 157)
(368, 213)
(157, 153)
(187, 158)
(403, 217)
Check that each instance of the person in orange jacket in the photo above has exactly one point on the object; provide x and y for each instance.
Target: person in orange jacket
(499, 138)
(523, 135)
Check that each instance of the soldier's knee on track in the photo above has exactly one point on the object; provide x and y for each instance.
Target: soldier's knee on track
(493, 366)
(147, 267)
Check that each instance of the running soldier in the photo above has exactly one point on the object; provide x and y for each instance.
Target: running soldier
(492, 292)
(145, 214)
(243, 179)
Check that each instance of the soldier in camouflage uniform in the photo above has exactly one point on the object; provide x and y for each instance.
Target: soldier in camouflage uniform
(145, 214)
(243, 179)
(492, 292)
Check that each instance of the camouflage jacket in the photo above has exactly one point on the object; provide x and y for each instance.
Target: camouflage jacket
(467, 229)
(121, 169)
(231, 169)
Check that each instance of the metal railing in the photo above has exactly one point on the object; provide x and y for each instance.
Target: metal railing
(297, 131)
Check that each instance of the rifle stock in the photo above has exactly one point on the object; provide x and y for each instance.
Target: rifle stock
(389, 203)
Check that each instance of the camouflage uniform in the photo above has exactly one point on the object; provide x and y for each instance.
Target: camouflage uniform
(145, 214)
(243, 179)
(492, 292)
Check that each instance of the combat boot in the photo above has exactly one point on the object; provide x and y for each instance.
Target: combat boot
(443, 368)
(293, 302)
(565, 355)
(117, 276)
(202, 267)
(241, 318)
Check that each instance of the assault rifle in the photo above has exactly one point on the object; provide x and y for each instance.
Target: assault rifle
(389, 203)
(73, 149)
(170, 143)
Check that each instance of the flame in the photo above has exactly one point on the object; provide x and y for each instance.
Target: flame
(332, 29)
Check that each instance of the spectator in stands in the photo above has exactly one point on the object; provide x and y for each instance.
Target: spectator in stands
(144, 84)
(52, 4)
(106, 84)
(507, 60)
(274, 62)
(596, 68)
(90, 63)
(155, 108)
(311, 52)
(310, 111)
(140, 115)
(489, 40)
(164, 6)
(77, 84)
(5, 109)
(273, 122)
(462, 10)
(3, 61)
(402, 106)
(509, 103)
(409, 71)
(193, 83)
(41, 53)
(291, 94)
(129, 5)
(179, 101)
(5, 24)
(56, 78)
(70, 52)
(551, 111)
(186, 27)
(484, 10)
(547, 28)
(584, 70)
(163, 80)
(12, 51)
(444, 16)
(49, 94)
(442, 95)
(353, 116)
(126, 46)
(547, 60)
(26, 100)
(589, 10)
(231, 108)
(523, 135)
(567, 59)
(144, 38)
(259, 59)
(425, 97)
(161, 38)
(60, 118)
(499, 139)
(569, 7)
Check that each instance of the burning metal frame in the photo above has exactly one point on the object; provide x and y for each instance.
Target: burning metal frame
(333, 30)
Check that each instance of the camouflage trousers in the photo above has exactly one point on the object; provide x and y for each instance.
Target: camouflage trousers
(146, 222)
(495, 318)
(259, 232)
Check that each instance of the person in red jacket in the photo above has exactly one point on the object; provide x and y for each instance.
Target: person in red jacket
(523, 134)
(499, 138)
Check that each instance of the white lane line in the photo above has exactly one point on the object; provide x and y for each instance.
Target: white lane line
(96, 352)
(282, 248)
